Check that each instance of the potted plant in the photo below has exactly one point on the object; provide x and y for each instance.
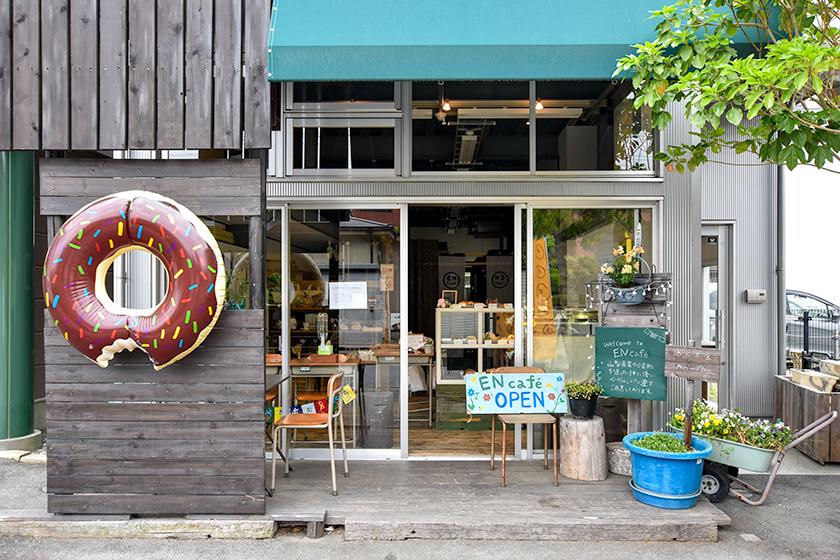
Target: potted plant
(274, 284)
(626, 287)
(736, 440)
(583, 396)
(665, 474)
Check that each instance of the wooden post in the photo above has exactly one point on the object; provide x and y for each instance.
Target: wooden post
(691, 364)
(634, 415)
(689, 409)
(256, 245)
(583, 448)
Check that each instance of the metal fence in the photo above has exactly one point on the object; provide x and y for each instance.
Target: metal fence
(815, 333)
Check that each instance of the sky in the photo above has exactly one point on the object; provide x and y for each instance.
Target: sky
(812, 216)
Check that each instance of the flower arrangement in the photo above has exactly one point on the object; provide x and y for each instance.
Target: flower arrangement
(443, 303)
(731, 425)
(622, 271)
(583, 390)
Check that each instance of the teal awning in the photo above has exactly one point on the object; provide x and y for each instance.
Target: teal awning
(353, 40)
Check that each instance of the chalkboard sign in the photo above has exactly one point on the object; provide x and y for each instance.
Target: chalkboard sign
(630, 362)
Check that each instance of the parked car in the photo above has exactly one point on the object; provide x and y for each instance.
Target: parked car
(823, 325)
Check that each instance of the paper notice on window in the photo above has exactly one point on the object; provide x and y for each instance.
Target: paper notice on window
(348, 295)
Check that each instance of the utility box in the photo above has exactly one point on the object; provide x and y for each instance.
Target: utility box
(755, 296)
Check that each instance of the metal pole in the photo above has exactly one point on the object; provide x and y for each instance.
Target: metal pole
(781, 295)
(16, 294)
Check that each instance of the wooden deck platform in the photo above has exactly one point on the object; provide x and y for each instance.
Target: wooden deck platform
(464, 500)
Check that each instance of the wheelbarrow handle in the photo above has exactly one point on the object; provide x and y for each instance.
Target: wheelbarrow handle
(812, 428)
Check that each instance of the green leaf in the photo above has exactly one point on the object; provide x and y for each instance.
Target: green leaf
(735, 115)
(800, 79)
(685, 52)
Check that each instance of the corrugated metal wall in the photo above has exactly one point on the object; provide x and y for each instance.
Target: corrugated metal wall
(746, 197)
(681, 241)
(133, 74)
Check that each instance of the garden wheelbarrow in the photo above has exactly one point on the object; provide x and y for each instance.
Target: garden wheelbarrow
(720, 470)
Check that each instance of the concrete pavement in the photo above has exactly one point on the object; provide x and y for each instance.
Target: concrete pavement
(799, 520)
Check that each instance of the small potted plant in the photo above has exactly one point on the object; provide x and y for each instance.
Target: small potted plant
(626, 287)
(428, 345)
(665, 474)
(583, 396)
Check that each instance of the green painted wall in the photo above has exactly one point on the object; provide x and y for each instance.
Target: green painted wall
(17, 232)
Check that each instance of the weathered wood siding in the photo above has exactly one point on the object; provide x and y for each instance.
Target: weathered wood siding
(799, 406)
(185, 439)
(133, 74)
(188, 439)
(221, 187)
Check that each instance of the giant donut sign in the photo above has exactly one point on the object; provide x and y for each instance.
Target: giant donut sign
(86, 246)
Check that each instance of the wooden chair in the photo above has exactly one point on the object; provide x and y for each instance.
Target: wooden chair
(514, 419)
(321, 420)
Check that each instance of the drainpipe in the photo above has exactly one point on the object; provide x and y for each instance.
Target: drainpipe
(781, 296)
(17, 182)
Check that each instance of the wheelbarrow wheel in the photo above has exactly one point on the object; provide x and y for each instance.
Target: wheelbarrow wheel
(714, 483)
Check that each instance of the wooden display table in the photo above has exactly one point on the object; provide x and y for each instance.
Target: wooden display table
(583, 448)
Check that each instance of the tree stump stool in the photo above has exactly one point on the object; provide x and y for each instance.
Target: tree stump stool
(583, 448)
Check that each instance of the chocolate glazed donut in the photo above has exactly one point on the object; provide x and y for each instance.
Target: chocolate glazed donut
(86, 246)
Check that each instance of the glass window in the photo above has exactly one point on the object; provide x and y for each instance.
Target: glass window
(486, 126)
(470, 126)
(347, 92)
(591, 126)
(345, 300)
(570, 245)
(342, 144)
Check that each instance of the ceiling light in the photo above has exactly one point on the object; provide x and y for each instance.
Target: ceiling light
(518, 113)
(468, 146)
(446, 106)
(539, 105)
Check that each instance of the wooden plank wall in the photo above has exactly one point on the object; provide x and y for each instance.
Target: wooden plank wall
(134, 74)
(220, 187)
(188, 439)
(799, 406)
(127, 439)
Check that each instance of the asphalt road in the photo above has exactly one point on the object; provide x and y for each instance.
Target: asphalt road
(801, 519)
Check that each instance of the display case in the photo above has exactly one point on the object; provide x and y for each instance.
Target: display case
(475, 338)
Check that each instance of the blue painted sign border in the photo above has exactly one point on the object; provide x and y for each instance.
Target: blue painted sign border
(515, 393)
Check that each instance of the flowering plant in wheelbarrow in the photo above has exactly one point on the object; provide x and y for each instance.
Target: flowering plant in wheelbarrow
(731, 425)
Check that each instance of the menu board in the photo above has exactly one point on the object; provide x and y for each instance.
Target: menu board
(630, 362)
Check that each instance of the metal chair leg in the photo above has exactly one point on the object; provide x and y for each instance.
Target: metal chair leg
(545, 447)
(504, 451)
(554, 433)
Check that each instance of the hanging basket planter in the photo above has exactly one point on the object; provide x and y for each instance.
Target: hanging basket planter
(631, 295)
(634, 287)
